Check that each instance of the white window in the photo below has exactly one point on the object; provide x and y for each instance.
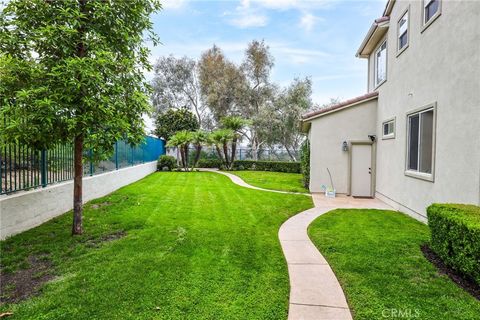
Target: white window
(381, 64)
(420, 142)
(431, 10)
(388, 129)
(403, 32)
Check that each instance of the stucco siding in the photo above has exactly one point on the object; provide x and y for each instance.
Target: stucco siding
(327, 134)
(442, 66)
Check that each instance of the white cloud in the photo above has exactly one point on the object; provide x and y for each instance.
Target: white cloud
(245, 16)
(292, 4)
(173, 4)
(249, 21)
(308, 21)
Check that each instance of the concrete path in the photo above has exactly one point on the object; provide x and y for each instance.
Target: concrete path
(315, 292)
(237, 180)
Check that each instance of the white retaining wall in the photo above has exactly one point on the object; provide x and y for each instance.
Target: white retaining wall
(25, 210)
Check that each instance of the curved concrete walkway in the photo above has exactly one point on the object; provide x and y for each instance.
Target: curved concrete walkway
(315, 292)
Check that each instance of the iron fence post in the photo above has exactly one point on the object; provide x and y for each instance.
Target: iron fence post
(91, 162)
(116, 155)
(43, 168)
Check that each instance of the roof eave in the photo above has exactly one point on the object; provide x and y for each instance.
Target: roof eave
(313, 116)
(374, 35)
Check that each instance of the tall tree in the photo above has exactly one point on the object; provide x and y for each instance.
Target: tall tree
(173, 120)
(72, 71)
(221, 83)
(285, 116)
(176, 85)
(258, 93)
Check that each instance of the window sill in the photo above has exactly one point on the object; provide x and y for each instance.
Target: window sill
(378, 85)
(432, 19)
(388, 137)
(399, 52)
(420, 175)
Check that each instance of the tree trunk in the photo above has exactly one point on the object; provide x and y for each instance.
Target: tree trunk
(234, 150)
(77, 227)
(220, 153)
(186, 157)
(292, 156)
(225, 151)
(197, 155)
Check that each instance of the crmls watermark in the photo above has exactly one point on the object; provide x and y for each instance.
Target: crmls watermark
(401, 313)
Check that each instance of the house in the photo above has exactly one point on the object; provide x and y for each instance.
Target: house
(414, 138)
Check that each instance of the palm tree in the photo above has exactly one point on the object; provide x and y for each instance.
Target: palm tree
(236, 124)
(181, 140)
(199, 138)
(220, 139)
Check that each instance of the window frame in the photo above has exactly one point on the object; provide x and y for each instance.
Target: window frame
(375, 68)
(390, 135)
(415, 173)
(407, 13)
(425, 25)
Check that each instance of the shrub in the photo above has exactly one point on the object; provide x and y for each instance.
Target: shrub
(165, 161)
(455, 232)
(276, 166)
(209, 163)
(305, 163)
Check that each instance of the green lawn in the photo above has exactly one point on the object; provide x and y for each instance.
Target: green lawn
(377, 259)
(196, 246)
(291, 182)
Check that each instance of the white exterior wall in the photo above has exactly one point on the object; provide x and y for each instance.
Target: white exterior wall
(25, 210)
(327, 134)
(442, 66)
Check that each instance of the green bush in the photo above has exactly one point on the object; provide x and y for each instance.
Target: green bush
(276, 166)
(305, 163)
(165, 161)
(209, 163)
(455, 232)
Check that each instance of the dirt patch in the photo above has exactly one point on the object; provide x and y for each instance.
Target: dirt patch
(96, 242)
(466, 284)
(96, 206)
(22, 284)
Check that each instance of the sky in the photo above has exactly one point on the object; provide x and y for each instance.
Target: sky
(314, 38)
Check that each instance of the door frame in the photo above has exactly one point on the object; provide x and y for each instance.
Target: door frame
(373, 176)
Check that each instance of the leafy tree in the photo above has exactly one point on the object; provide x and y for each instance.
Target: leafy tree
(258, 93)
(288, 107)
(221, 83)
(199, 138)
(176, 85)
(237, 125)
(172, 121)
(181, 140)
(72, 71)
(220, 139)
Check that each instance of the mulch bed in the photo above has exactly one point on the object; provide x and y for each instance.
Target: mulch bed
(465, 283)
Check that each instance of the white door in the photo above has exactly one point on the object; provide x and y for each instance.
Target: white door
(361, 170)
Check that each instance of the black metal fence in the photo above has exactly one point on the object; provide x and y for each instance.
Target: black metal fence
(23, 168)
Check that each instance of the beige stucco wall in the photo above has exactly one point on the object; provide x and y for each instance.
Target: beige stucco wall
(327, 134)
(442, 66)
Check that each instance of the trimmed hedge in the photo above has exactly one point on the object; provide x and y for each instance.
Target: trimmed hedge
(209, 163)
(455, 232)
(305, 163)
(276, 166)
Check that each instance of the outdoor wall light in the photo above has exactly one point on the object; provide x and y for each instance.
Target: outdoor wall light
(345, 146)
